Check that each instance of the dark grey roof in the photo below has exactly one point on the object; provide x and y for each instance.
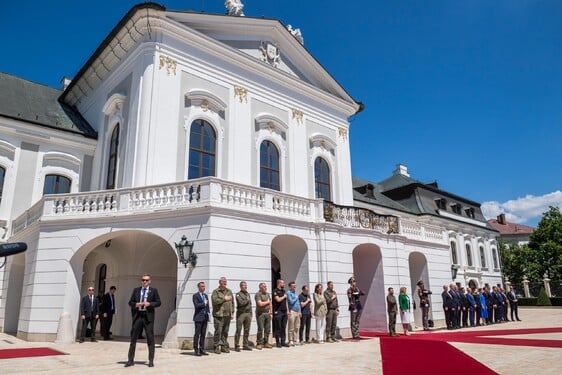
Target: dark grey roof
(378, 198)
(38, 104)
(396, 181)
(406, 194)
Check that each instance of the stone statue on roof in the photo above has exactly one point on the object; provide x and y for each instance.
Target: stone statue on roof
(234, 8)
(296, 33)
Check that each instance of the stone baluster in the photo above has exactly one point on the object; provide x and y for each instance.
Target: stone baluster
(546, 282)
(526, 287)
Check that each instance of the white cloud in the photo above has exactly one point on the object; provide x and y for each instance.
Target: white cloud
(523, 210)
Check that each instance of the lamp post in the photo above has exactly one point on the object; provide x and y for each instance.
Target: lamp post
(184, 247)
(453, 272)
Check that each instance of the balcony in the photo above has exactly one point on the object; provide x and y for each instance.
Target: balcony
(214, 192)
(207, 191)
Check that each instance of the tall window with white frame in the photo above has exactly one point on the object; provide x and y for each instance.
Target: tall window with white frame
(2, 175)
(322, 179)
(112, 161)
(454, 252)
(202, 150)
(468, 255)
(495, 258)
(56, 184)
(269, 166)
(482, 257)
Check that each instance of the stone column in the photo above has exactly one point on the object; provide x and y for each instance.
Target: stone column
(546, 281)
(507, 284)
(526, 287)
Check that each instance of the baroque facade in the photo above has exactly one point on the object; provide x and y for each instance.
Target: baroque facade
(221, 129)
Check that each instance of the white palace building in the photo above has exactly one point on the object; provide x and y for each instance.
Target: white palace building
(226, 130)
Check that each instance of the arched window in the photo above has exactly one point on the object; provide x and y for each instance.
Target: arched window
(482, 257)
(202, 150)
(112, 161)
(2, 175)
(495, 258)
(468, 255)
(322, 179)
(454, 252)
(269, 166)
(56, 184)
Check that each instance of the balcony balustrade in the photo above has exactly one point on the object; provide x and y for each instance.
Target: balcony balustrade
(211, 191)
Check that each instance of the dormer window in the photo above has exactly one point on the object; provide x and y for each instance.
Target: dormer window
(441, 204)
(456, 208)
(469, 212)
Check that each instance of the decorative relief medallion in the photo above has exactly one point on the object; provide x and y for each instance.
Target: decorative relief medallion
(343, 133)
(241, 93)
(169, 63)
(297, 115)
(270, 53)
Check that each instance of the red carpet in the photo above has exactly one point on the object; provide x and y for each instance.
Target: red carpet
(401, 355)
(430, 353)
(27, 352)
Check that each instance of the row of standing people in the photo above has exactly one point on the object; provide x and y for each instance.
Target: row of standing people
(468, 307)
(281, 307)
(290, 312)
(475, 307)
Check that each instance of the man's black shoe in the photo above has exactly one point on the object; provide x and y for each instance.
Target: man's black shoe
(129, 364)
(198, 354)
(150, 364)
(278, 345)
(203, 353)
(247, 348)
(285, 345)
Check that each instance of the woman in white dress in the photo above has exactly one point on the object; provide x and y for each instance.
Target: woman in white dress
(404, 302)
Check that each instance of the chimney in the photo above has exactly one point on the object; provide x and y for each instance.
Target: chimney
(501, 219)
(401, 169)
(64, 82)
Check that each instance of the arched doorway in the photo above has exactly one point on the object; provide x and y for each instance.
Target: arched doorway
(13, 293)
(418, 272)
(368, 271)
(121, 262)
(289, 260)
(473, 284)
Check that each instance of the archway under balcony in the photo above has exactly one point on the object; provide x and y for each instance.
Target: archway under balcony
(368, 271)
(418, 272)
(289, 260)
(119, 259)
(15, 273)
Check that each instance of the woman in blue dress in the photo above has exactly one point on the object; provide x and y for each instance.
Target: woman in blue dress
(483, 308)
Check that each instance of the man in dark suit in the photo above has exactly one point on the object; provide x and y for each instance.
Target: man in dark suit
(447, 306)
(201, 318)
(108, 310)
(143, 301)
(512, 297)
(89, 314)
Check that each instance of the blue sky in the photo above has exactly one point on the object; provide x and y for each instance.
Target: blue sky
(465, 92)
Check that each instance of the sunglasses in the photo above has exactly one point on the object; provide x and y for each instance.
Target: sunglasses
(145, 279)
(90, 290)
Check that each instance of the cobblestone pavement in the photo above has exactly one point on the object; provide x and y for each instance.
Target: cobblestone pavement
(357, 357)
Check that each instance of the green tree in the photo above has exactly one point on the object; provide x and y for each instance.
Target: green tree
(517, 261)
(543, 299)
(546, 244)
